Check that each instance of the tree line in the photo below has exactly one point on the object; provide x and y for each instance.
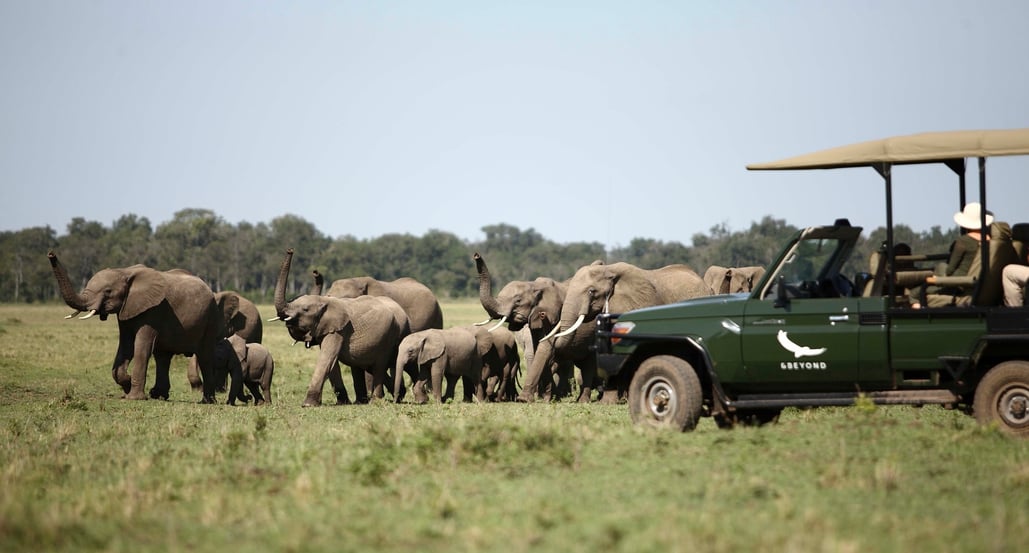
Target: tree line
(245, 257)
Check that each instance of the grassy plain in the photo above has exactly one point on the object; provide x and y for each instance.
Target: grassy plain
(82, 470)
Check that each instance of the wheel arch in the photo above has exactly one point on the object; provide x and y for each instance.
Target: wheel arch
(685, 348)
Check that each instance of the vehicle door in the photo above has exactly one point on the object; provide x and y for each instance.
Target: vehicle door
(802, 332)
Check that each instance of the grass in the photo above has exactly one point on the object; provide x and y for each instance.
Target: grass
(82, 470)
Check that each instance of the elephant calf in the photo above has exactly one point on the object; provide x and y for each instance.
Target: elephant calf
(251, 363)
(434, 354)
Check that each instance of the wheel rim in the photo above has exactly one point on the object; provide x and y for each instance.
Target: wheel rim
(1013, 406)
(659, 399)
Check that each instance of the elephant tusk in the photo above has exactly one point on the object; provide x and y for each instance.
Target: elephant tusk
(483, 322)
(273, 319)
(496, 326)
(288, 319)
(607, 304)
(572, 328)
(551, 334)
(88, 315)
(72, 315)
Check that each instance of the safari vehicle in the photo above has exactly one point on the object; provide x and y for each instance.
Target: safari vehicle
(809, 335)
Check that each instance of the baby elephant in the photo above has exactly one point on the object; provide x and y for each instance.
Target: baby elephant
(452, 353)
(250, 362)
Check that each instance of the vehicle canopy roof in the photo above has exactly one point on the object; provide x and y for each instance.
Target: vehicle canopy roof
(950, 148)
(929, 147)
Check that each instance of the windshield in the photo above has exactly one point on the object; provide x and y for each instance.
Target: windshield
(812, 266)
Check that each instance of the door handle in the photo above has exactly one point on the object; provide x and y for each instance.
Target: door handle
(839, 318)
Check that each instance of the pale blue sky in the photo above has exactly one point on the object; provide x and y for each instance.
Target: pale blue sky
(588, 121)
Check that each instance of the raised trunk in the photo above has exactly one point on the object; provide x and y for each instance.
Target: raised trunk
(319, 281)
(280, 286)
(71, 297)
(489, 303)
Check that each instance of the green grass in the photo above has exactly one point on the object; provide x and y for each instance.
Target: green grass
(82, 470)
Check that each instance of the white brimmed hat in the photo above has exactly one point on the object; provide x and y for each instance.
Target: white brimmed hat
(969, 217)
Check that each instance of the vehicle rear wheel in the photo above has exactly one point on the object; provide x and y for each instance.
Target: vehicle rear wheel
(1002, 397)
(665, 393)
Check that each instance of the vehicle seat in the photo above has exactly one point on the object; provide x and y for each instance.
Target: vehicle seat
(987, 292)
(1020, 241)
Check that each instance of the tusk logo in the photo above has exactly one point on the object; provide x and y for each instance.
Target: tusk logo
(797, 350)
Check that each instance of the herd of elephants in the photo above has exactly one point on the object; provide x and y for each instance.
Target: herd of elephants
(381, 330)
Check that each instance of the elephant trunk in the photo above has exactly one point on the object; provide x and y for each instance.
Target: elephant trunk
(319, 281)
(74, 300)
(489, 303)
(280, 285)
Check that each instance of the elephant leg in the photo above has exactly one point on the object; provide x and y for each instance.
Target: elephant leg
(255, 389)
(361, 380)
(193, 374)
(338, 388)
(119, 370)
(328, 360)
(448, 395)
(437, 382)
(235, 384)
(143, 347)
(162, 384)
(543, 359)
(588, 369)
(377, 380)
(564, 374)
(205, 360)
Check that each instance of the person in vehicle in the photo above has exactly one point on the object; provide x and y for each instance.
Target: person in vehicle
(1014, 278)
(964, 250)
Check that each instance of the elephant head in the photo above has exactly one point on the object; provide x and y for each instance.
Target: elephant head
(732, 280)
(418, 349)
(536, 303)
(127, 292)
(304, 315)
(620, 287)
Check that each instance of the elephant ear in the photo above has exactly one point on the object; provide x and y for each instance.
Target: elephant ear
(632, 289)
(228, 304)
(147, 289)
(483, 340)
(330, 322)
(432, 348)
(239, 345)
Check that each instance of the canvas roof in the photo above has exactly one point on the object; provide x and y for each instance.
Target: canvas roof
(927, 147)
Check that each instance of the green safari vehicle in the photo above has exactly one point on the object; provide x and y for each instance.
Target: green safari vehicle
(809, 335)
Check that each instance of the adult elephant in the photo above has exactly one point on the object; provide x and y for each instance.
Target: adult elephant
(600, 288)
(417, 300)
(160, 313)
(432, 355)
(732, 280)
(531, 309)
(246, 323)
(362, 332)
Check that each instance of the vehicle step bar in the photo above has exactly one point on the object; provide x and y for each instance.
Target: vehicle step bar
(888, 397)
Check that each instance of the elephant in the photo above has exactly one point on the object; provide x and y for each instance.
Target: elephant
(160, 313)
(246, 323)
(417, 300)
(251, 363)
(601, 288)
(362, 332)
(533, 308)
(434, 354)
(501, 364)
(732, 280)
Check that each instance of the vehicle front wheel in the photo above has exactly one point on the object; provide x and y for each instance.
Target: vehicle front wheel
(665, 393)
(1002, 397)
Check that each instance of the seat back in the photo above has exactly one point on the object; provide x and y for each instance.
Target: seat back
(989, 290)
(1020, 241)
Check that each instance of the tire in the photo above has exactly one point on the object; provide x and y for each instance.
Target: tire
(1002, 398)
(665, 393)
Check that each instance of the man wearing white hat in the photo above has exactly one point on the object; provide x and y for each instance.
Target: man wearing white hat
(965, 248)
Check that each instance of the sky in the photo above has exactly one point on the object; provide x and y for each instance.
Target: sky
(588, 121)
